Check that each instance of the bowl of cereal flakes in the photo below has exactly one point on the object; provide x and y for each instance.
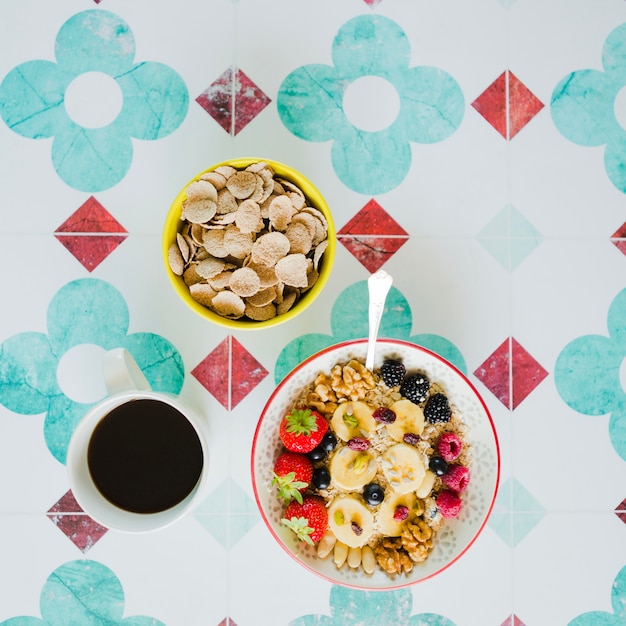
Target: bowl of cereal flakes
(375, 479)
(249, 243)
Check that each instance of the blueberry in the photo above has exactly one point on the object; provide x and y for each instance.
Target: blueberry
(317, 454)
(321, 478)
(329, 441)
(438, 465)
(373, 494)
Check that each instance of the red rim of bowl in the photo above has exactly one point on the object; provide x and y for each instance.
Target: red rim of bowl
(461, 375)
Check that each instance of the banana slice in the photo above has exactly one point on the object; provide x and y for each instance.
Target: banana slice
(409, 419)
(403, 467)
(351, 521)
(353, 419)
(385, 518)
(427, 485)
(352, 469)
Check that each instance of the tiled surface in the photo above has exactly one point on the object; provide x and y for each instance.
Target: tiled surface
(495, 164)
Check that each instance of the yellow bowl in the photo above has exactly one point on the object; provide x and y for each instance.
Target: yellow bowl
(173, 224)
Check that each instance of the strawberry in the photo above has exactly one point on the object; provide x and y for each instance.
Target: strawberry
(308, 520)
(292, 475)
(302, 430)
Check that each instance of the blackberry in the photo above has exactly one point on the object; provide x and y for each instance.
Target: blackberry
(415, 388)
(437, 409)
(392, 372)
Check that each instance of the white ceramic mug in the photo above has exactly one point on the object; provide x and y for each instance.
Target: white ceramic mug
(126, 383)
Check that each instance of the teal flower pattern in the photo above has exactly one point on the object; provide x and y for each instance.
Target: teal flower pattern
(85, 311)
(618, 603)
(583, 107)
(310, 104)
(350, 607)
(32, 100)
(82, 592)
(587, 374)
(349, 320)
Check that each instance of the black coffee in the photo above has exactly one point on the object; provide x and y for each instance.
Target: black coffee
(145, 456)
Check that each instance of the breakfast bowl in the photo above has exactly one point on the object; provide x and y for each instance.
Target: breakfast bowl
(361, 562)
(249, 243)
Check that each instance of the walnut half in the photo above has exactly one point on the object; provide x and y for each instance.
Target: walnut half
(417, 540)
(391, 557)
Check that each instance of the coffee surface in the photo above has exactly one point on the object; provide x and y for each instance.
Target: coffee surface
(144, 456)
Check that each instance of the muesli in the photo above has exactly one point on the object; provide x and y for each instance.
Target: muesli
(372, 466)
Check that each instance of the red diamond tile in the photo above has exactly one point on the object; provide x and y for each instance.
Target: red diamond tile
(91, 217)
(246, 372)
(227, 621)
(372, 236)
(233, 100)
(618, 238)
(620, 510)
(507, 104)
(91, 233)
(213, 373)
(372, 252)
(66, 504)
(90, 250)
(229, 373)
(512, 620)
(372, 219)
(372, 3)
(76, 525)
(510, 373)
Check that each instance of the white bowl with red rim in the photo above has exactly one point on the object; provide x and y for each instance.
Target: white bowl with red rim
(457, 535)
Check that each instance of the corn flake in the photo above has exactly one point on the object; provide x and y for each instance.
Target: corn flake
(250, 244)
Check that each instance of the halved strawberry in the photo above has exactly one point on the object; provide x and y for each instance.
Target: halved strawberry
(308, 520)
(301, 430)
(292, 475)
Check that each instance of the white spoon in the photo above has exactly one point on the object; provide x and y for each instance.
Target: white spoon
(378, 285)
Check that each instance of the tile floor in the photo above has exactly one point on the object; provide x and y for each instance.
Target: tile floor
(474, 150)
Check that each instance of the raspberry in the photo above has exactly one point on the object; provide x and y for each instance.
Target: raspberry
(448, 503)
(456, 478)
(437, 409)
(415, 388)
(449, 446)
(384, 415)
(392, 372)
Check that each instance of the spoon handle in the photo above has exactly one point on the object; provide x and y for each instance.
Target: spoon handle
(378, 285)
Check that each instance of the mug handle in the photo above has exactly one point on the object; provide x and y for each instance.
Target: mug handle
(121, 372)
